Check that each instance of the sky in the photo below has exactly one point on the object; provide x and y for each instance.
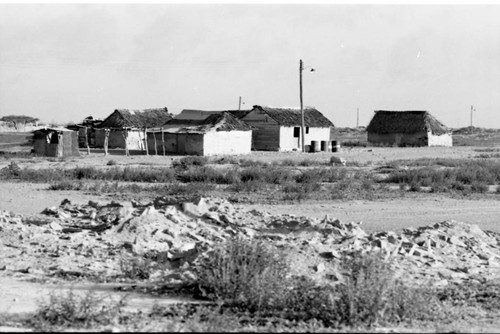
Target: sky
(63, 62)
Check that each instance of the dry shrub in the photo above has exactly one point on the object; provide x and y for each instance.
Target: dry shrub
(250, 277)
(71, 310)
(186, 162)
(248, 273)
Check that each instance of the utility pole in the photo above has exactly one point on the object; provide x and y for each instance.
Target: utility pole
(357, 118)
(239, 104)
(301, 68)
(471, 109)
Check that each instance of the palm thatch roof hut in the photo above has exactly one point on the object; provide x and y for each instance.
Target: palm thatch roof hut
(407, 128)
(279, 129)
(293, 117)
(134, 118)
(127, 127)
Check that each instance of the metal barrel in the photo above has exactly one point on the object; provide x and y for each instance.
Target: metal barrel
(335, 146)
(315, 146)
(324, 146)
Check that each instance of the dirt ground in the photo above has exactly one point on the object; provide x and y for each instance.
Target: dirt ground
(363, 155)
(20, 296)
(393, 215)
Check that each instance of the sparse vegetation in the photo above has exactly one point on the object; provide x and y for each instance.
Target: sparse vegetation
(474, 176)
(287, 180)
(70, 310)
(250, 276)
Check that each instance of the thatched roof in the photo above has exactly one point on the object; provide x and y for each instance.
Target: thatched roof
(385, 121)
(223, 121)
(146, 118)
(202, 114)
(292, 116)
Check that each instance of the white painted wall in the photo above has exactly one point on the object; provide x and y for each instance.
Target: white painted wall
(442, 140)
(227, 142)
(288, 142)
(135, 140)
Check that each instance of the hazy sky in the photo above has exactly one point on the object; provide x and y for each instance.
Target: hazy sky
(64, 62)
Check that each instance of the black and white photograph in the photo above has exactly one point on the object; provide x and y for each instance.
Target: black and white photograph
(250, 167)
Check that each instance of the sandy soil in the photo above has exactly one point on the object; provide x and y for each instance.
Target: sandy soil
(23, 296)
(396, 214)
(32, 198)
(421, 209)
(372, 155)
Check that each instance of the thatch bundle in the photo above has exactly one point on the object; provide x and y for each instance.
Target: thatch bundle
(415, 121)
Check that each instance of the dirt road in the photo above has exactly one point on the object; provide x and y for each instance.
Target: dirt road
(399, 213)
(28, 198)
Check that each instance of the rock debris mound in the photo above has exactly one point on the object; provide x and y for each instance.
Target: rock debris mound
(92, 240)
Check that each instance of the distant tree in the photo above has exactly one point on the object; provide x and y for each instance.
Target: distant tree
(21, 119)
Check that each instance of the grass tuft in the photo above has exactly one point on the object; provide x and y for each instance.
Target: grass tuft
(72, 310)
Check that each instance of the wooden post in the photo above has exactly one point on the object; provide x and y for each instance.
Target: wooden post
(106, 140)
(471, 109)
(163, 141)
(60, 144)
(301, 67)
(87, 140)
(357, 118)
(146, 141)
(125, 137)
(156, 148)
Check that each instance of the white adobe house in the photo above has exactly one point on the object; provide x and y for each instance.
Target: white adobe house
(279, 129)
(197, 132)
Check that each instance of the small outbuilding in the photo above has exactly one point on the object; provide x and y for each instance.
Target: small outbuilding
(55, 142)
(201, 133)
(279, 129)
(126, 128)
(407, 128)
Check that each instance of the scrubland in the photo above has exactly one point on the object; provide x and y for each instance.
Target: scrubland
(252, 271)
